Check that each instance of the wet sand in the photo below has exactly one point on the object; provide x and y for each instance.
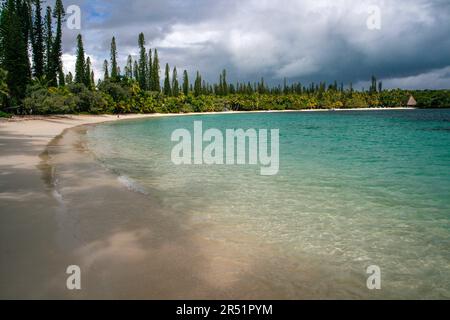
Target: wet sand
(30, 257)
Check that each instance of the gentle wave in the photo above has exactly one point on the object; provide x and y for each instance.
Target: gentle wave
(131, 185)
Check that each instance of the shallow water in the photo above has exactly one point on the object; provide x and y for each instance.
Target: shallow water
(355, 189)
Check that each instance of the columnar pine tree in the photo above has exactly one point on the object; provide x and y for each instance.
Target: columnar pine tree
(185, 83)
(155, 73)
(105, 70)
(175, 84)
(114, 71)
(142, 63)
(14, 48)
(87, 73)
(92, 79)
(224, 88)
(167, 89)
(48, 39)
(198, 85)
(38, 41)
(58, 14)
(80, 67)
(136, 71)
(149, 71)
(129, 68)
(27, 28)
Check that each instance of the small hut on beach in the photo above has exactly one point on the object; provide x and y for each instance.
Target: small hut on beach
(412, 103)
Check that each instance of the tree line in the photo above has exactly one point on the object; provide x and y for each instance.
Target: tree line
(32, 78)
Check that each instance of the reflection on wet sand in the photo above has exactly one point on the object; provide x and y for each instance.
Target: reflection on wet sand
(129, 247)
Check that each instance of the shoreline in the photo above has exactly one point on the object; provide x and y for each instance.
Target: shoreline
(47, 127)
(64, 208)
(44, 129)
(88, 227)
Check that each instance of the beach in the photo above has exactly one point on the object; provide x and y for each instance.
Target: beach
(126, 246)
(140, 228)
(30, 257)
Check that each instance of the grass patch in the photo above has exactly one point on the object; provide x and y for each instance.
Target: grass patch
(5, 115)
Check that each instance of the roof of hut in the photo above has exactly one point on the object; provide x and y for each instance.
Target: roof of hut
(412, 102)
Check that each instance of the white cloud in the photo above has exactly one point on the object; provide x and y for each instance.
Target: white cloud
(69, 61)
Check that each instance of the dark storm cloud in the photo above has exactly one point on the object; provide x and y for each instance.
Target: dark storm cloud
(302, 40)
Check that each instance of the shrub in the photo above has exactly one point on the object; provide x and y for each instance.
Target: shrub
(5, 115)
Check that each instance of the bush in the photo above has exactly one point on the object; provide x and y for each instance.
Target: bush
(356, 100)
(5, 115)
(50, 101)
(89, 101)
(432, 98)
(75, 98)
(117, 91)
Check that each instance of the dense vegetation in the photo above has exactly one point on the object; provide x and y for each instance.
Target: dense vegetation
(32, 79)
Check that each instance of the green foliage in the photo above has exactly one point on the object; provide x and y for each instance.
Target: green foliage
(14, 35)
(55, 65)
(4, 91)
(75, 98)
(117, 91)
(48, 39)
(5, 115)
(50, 101)
(432, 98)
(37, 40)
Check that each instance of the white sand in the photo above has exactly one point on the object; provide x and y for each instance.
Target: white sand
(38, 132)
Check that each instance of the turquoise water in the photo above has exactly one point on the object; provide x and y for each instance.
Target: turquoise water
(355, 189)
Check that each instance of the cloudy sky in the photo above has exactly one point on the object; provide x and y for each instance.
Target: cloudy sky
(406, 43)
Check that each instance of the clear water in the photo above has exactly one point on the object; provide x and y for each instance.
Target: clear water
(354, 189)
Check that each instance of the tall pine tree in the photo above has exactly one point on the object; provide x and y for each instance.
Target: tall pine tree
(87, 73)
(136, 71)
(80, 67)
(142, 63)
(185, 83)
(150, 71)
(114, 71)
(175, 84)
(129, 68)
(56, 64)
(38, 41)
(167, 89)
(48, 39)
(92, 79)
(105, 70)
(155, 73)
(198, 85)
(14, 35)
